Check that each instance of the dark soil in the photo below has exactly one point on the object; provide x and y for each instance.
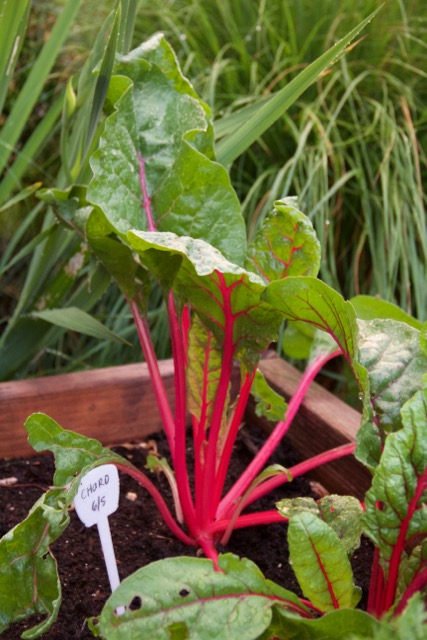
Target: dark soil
(141, 537)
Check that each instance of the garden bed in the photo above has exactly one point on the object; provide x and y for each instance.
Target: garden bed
(140, 536)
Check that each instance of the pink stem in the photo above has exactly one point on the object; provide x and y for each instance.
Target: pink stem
(276, 436)
(142, 479)
(156, 378)
(231, 437)
(419, 582)
(180, 461)
(247, 520)
(208, 508)
(400, 544)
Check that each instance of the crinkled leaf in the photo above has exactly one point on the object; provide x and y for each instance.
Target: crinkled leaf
(320, 563)
(396, 502)
(224, 295)
(29, 581)
(188, 594)
(269, 403)
(75, 319)
(285, 245)
(72, 451)
(371, 308)
(390, 352)
(342, 513)
(411, 566)
(159, 116)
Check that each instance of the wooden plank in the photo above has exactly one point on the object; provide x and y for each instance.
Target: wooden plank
(323, 422)
(114, 404)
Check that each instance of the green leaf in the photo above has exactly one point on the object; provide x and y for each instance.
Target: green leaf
(75, 319)
(269, 403)
(224, 295)
(370, 308)
(319, 560)
(159, 116)
(335, 625)
(342, 513)
(412, 623)
(411, 566)
(285, 245)
(231, 147)
(188, 595)
(203, 372)
(390, 352)
(72, 451)
(395, 503)
(27, 563)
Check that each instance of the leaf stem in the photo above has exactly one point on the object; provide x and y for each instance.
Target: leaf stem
(146, 200)
(274, 439)
(142, 479)
(180, 461)
(156, 379)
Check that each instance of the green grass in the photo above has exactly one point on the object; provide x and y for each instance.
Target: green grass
(351, 149)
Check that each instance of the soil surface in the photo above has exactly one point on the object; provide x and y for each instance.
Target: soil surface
(140, 536)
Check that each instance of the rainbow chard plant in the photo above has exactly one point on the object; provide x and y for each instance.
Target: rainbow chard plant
(160, 209)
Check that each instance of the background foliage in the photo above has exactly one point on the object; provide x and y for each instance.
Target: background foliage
(351, 149)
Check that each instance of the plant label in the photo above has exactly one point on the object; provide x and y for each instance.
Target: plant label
(96, 499)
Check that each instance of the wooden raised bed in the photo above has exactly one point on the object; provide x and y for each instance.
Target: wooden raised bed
(116, 404)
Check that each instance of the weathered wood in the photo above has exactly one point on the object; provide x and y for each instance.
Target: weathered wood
(114, 404)
(323, 422)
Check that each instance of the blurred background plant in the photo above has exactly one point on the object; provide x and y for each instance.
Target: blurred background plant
(351, 149)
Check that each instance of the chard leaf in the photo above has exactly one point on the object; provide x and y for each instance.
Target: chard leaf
(410, 625)
(269, 403)
(335, 625)
(285, 245)
(29, 581)
(72, 451)
(396, 502)
(203, 372)
(342, 513)
(158, 115)
(224, 295)
(370, 308)
(412, 566)
(320, 563)
(187, 595)
(390, 351)
(306, 299)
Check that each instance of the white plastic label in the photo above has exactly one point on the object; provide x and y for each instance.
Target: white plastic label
(96, 499)
(98, 494)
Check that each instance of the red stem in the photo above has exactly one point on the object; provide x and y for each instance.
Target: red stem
(299, 470)
(180, 461)
(390, 594)
(142, 479)
(155, 377)
(247, 520)
(231, 436)
(208, 508)
(274, 439)
(417, 584)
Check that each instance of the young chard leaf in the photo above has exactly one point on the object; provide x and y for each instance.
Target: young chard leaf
(285, 245)
(72, 451)
(395, 504)
(269, 403)
(342, 513)
(188, 594)
(158, 115)
(320, 562)
(27, 563)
